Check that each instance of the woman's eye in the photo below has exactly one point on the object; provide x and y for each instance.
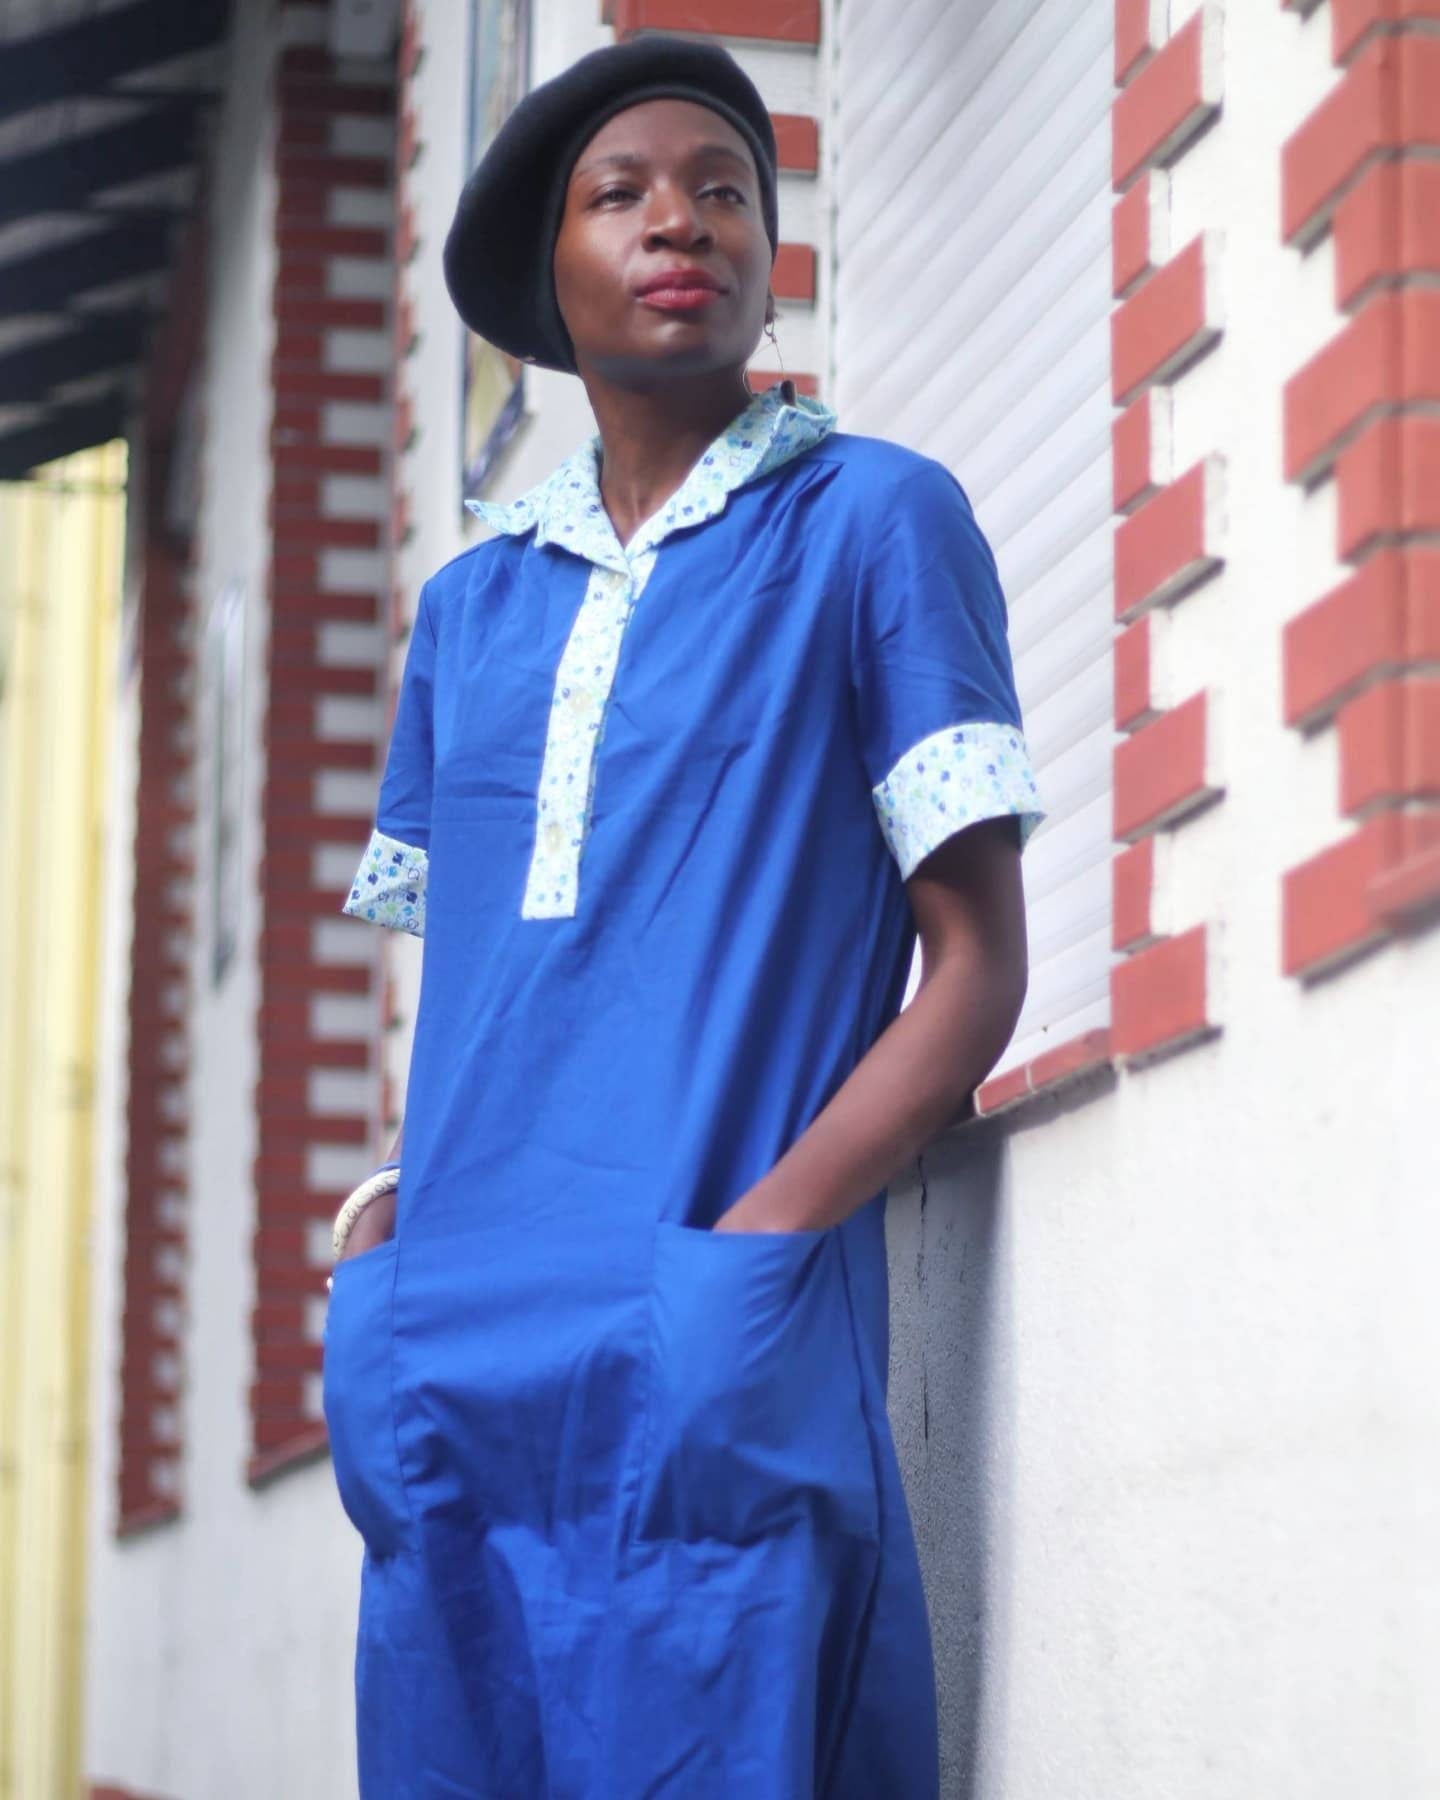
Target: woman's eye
(610, 194)
(726, 192)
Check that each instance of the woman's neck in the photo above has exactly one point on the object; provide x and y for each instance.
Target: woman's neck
(651, 440)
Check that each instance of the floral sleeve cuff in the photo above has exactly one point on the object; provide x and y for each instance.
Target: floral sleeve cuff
(389, 886)
(952, 779)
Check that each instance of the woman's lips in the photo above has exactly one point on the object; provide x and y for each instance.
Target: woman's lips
(680, 290)
(681, 299)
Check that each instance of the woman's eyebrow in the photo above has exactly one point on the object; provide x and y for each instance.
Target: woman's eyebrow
(632, 159)
(730, 154)
(614, 159)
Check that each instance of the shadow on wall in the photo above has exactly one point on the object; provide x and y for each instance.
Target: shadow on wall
(951, 1382)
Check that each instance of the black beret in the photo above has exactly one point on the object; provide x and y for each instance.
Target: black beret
(501, 244)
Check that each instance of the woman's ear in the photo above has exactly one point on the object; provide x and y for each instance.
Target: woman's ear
(769, 310)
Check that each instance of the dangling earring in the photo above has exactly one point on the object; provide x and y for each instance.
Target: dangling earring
(787, 386)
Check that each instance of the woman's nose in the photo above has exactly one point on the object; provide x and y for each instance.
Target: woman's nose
(674, 219)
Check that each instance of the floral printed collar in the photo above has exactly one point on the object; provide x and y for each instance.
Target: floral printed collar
(566, 509)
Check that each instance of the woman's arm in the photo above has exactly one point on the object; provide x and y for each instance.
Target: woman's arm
(969, 907)
(377, 1222)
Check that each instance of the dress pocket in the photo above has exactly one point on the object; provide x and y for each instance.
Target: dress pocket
(756, 1422)
(359, 1410)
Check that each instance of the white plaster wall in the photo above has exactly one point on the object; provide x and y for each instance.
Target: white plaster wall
(1177, 1497)
(1163, 1353)
(221, 1645)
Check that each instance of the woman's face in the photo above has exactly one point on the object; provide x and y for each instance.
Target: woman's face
(662, 265)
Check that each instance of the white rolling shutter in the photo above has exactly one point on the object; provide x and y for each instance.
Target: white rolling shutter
(972, 308)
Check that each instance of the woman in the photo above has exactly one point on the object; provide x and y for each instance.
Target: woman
(685, 755)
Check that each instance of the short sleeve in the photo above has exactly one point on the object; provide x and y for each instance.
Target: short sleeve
(939, 721)
(389, 886)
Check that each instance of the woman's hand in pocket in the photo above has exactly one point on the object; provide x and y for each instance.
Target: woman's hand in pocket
(757, 1212)
(374, 1226)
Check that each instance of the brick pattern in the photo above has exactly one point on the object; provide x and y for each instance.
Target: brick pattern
(1139, 26)
(406, 430)
(1168, 536)
(1382, 620)
(1137, 226)
(1382, 108)
(1169, 91)
(1167, 543)
(1133, 686)
(793, 277)
(797, 143)
(158, 1054)
(1082, 1059)
(1139, 445)
(157, 1124)
(330, 518)
(1164, 325)
(781, 21)
(1158, 996)
(1160, 772)
(1132, 890)
(1361, 659)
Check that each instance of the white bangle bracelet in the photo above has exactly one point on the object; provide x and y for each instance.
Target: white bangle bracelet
(384, 1181)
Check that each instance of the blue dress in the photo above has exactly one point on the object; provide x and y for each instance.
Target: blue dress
(632, 1515)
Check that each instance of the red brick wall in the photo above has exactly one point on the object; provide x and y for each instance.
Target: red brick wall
(1168, 92)
(1167, 535)
(1361, 661)
(156, 1186)
(782, 21)
(330, 506)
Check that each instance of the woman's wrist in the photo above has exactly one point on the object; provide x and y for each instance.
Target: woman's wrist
(775, 1204)
(384, 1180)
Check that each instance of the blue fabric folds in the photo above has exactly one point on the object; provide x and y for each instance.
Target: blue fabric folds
(633, 1519)
(358, 1351)
(756, 1419)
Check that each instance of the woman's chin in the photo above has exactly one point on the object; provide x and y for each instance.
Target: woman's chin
(666, 356)
(672, 347)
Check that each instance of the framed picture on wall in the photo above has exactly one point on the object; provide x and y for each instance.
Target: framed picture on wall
(493, 400)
